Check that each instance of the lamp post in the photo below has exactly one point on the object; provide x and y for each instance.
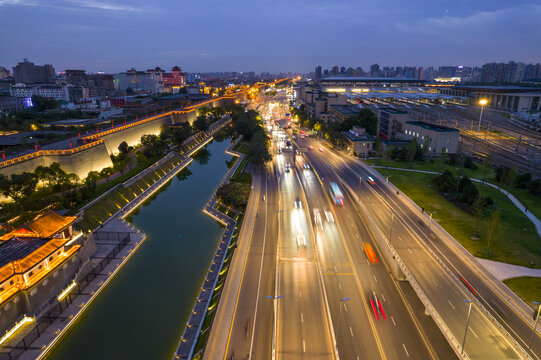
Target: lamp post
(467, 324)
(535, 326)
(391, 232)
(482, 102)
(339, 316)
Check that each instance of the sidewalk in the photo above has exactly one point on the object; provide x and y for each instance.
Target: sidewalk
(219, 335)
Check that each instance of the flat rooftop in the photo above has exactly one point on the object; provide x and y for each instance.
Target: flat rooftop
(393, 111)
(370, 79)
(432, 127)
(346, 109)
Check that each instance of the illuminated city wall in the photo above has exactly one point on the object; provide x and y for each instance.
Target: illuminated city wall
(80, 160)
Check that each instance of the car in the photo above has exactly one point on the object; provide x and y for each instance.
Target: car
(287, 167)
(310, 147)
(317, 218)
(301, 240)
(279, 151)
(306, 166)
(320, 149)
(371, 181)
(298, 204)
(370, 253)
(329, 216)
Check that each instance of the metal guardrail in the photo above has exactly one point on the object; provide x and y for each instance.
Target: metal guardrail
(436, 227)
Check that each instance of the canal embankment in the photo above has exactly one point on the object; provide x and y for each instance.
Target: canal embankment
(113, 253)
(197, 330)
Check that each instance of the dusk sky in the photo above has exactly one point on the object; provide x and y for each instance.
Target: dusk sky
(257, 35)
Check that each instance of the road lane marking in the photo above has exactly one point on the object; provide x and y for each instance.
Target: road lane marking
(332, 254)
(411, 252)
(375, 278)
(399, 238)
(351, 331)
(393, 321)
(303, 346)
(345, 307)
(435, 283)
(473, 332)
(383, 297)
(340, 285)
(368, 262)
(406, 350)
(451, 304)
(302, 318)
(335, 269)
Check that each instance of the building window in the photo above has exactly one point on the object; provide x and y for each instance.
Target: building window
(33, 291)
(55, 274)
(50, 258)
(11, 282)
(7, 307)
(30, 274)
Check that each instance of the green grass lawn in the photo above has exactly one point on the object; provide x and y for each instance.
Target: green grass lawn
(528, 288)
(533, 203)
(518, 242)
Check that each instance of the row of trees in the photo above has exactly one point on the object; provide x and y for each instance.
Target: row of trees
(511, 178)
(248, 124)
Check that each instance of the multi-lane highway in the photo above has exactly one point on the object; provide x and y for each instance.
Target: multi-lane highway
(308, 288)
(409, 238)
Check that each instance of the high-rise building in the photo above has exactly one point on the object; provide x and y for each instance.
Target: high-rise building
(28, 73)
(374, 70)
(317, 75)
(335, 70)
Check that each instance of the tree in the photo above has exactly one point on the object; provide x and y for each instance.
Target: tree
(486, 165)
(123, 147)
(148, 139)
(129, 91)
(477, 210)
(179, 134)
(18, 186)
(42, 103)
(412, 149)
(377, 146)
(183, 91)
(510, 179)
(258, 149)
(234, 194)
(201, 123)
(494, 229)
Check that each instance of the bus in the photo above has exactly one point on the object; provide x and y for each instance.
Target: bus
(302, 134)
(336, 195)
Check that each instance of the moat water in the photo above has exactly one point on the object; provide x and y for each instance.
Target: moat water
(142, 312)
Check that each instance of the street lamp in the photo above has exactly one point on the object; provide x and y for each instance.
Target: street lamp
(535, 326)
(467, 324)
(339, 316)
(482, 102)
(391, 232)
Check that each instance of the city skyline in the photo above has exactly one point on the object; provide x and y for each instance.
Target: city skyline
(278, 37)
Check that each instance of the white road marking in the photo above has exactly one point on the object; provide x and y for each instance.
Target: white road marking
(335, 270)
(399, 238)
(375, 278)
(300, 295)
(368, 262)
(473, 332)
(303, 346)
(345, 307)
(421, 265)
(351, 331)
(411, 252)
(434, 281)
(393, 321)
(451, 304)
(340, 285)
(302, 318)
(406, 350)
(383, 297)
(332, 254)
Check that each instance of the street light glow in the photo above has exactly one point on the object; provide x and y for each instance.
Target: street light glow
(483, 102)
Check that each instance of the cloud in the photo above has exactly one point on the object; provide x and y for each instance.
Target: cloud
(17, 2)
(107, 6)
